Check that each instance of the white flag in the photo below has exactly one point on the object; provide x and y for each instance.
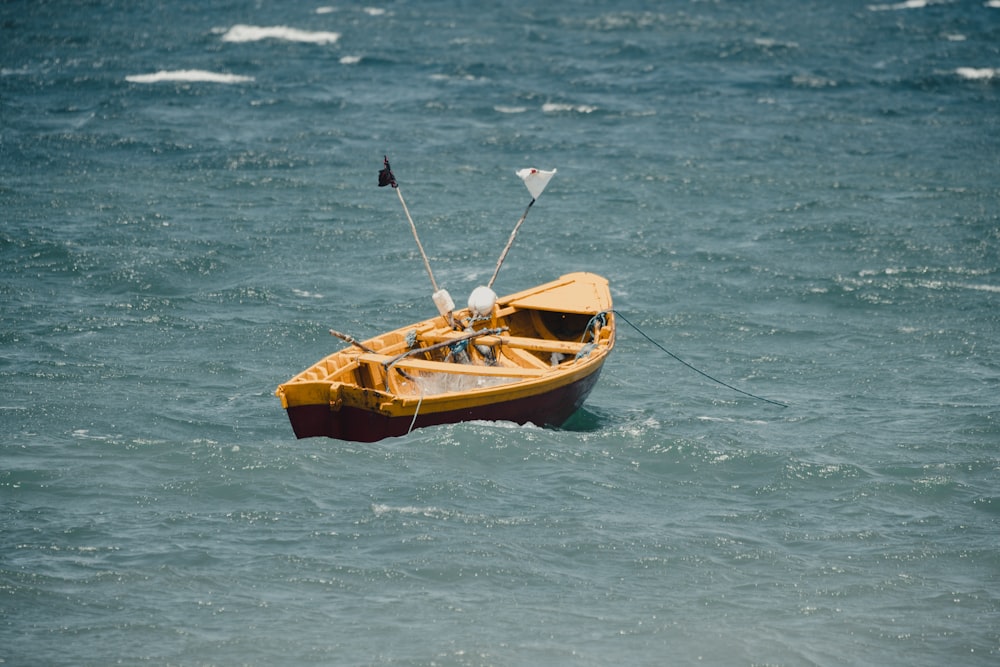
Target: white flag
(535, 180)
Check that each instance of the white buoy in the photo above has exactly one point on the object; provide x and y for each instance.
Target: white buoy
(482, 300)
(444, 302)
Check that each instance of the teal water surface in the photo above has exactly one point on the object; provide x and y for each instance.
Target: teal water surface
(798, 198)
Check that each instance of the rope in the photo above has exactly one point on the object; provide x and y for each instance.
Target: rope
(700, 372)
(446, 343)
(592, 328)
(417, 411)
(462, 341)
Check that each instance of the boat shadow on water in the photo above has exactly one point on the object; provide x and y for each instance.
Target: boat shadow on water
(587, 420)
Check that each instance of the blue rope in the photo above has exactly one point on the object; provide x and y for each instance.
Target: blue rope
(601, 318)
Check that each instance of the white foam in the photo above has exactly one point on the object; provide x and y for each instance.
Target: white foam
(768, 43)
(350, 60)
(381, 509)
(253, 33)
(190, 75)
(978, 72)
(452, 77)
(907, 4)
(551, 107)
(993, 4)
(982, 288)
(506, 109)
(371, 11)
(812, 81)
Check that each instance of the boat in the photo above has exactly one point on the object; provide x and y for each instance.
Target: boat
(530, 357)
(533, 358)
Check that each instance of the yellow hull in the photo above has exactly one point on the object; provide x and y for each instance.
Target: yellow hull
(534, 360)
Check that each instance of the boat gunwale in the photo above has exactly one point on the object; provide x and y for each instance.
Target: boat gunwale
(354, 358)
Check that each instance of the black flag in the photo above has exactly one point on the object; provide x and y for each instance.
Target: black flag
(385, 176)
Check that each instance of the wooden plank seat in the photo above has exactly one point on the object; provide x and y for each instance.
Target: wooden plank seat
(449, 367)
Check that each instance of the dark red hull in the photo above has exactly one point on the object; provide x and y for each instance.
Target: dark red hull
(349, 423)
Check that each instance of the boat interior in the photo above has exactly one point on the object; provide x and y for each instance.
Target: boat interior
(432, 357)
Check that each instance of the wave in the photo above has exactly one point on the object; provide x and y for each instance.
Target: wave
(552, 107)
(921, 278)
(189, 75)
(370, 11)
(979, 287)
(500, 108)
(924, 270)
(252, 33)
(978, 72)
(907, 4)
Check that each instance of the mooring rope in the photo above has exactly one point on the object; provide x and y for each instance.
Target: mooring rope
(416, 412)
(696, 370)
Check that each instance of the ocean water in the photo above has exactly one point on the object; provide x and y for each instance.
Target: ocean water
(799, 198)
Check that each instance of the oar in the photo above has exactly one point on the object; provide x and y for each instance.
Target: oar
(350, 339)
(441, 298)
(535, 180)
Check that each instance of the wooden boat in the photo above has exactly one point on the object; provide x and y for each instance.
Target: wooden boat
(533, 358)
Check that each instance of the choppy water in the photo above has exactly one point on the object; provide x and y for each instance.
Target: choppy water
(799, 198)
